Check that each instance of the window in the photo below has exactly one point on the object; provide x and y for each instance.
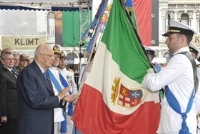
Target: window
(185, 18)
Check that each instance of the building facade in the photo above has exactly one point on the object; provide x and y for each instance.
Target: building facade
(184, 11)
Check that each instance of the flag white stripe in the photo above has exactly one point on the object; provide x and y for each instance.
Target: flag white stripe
(103, 64)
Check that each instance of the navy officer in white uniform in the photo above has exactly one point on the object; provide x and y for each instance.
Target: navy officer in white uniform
(178, 76)
(150, 53)
(195, 54)
(57, 87)
(68, 75)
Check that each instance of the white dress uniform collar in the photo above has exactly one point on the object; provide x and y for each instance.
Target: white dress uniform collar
(53, 68)
(183, 49)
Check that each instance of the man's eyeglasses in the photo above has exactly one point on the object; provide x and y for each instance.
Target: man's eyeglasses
(49, 55)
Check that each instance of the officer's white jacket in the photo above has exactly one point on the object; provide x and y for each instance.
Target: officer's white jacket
(198, 69)
(178, 75)
(58, 112)
(197, 97)
(69, 77)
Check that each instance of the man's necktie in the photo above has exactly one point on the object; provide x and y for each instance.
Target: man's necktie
(14, 73)
(46, 75)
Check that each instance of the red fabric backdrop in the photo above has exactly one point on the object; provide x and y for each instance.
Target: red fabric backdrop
(143, 10)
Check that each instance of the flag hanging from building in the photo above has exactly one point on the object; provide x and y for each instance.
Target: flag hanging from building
(112, 100)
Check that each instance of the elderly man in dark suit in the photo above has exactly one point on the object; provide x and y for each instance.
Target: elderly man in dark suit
(36, 96)
(8, 94)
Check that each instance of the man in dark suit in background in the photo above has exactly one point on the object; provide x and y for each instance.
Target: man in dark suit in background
(8, 94)
(36, 96)
(0, 101)
(16, 60)
(1, 65)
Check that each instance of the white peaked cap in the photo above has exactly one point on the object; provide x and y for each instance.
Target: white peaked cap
(193, 48)
(178, 27)
(52, 45)
(149, 50)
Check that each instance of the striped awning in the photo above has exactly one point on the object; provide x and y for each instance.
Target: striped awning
(54, 5)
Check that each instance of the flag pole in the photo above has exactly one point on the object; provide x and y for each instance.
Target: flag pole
(96, 23)
(128, 6)
(91, 35)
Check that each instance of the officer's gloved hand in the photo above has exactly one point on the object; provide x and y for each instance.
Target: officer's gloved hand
(157, 67)
(150, 70)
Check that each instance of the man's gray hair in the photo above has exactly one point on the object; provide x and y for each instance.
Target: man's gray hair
(4, 54)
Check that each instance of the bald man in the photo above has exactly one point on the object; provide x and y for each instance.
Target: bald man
(36, 97)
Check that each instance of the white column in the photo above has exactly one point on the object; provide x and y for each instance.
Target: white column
(175, 15)
(163, 26)
(194, 20)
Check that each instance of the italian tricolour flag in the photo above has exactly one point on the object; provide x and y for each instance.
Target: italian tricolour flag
(112, 100)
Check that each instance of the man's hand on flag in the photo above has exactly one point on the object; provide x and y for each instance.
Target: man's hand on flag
(70, 98)
(63, 92)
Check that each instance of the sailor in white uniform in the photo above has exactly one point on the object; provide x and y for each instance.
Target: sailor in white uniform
(58, 112)
(196, 54)
(57, 87)
(178, 76)
(150, 53)
(69, 77)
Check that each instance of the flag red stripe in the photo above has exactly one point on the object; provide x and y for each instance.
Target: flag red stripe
(97, 118)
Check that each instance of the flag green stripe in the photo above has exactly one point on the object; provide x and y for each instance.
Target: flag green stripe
(123, 44)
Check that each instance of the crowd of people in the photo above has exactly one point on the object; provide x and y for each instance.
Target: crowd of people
(36, 97)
